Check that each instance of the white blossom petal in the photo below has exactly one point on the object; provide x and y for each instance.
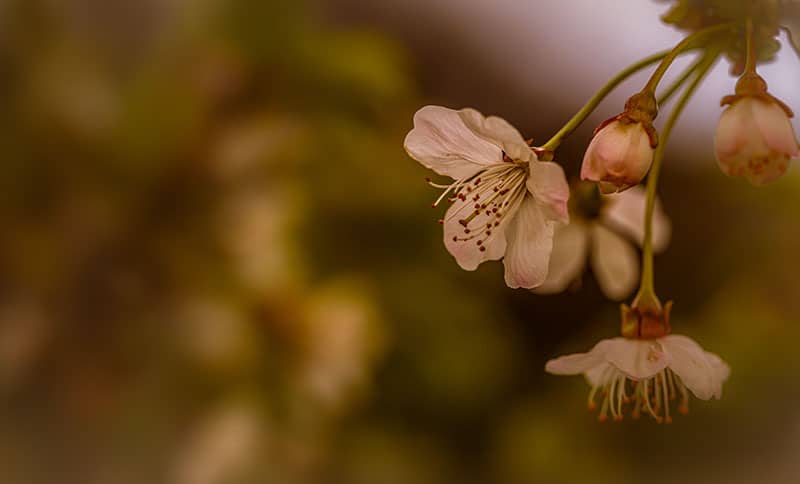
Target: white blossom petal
(568, 259)
(737, 129)
(468, 253)
(625, 212)
(689, 362)
(530, 241)
(600, 375)
(618, 157)
(638, 359)
(754, 140)
(721, 372)
(581, 362)
(548, 185)
(614, 262)
(442, 142)
(498, 131)
(776, 128)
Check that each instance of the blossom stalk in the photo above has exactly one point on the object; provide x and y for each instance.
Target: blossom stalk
(647, 290)
(553, 143)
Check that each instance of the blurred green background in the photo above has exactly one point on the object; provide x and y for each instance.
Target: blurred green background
(218, 266)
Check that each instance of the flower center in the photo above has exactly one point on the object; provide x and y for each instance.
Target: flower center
(484, 200)
(652, 395)
(585, 201)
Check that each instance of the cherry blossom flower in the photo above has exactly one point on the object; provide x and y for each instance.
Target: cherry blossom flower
(648, 373)
(755, 139)
(505, 202)
(619, 156)
(602, 229)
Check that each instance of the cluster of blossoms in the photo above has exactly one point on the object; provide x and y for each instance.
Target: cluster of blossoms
(509, 200)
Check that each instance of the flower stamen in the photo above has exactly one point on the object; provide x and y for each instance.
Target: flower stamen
(650, 395)
(497, 192)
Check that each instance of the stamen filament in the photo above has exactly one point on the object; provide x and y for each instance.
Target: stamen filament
(667, 418)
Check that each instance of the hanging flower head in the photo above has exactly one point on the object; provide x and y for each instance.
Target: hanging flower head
(647, 374)
(621, 152)
(755, 138)
(648, 367)
(505, 202)
(602, 229)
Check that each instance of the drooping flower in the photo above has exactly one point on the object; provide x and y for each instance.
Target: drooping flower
(755, 138)
(505, 202)
(601, 229)
(648, 374)
(618, 157)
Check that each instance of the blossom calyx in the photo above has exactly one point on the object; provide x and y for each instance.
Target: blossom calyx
(645, 321)
(642, 108)
(751, 85)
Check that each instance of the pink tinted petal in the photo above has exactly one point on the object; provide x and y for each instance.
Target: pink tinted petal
(442, 142)
(625, 212)
(580, 362)
(548, 185)
(638, 359)
(600, 375)
(735, 130)
(614, 262)
(498, 131)
(468, 253)
(741, 148)
(688, 361)
(530, 242)
(721, 372)
(618, 157)
(775, 127)
(611, 147)
(570, 244)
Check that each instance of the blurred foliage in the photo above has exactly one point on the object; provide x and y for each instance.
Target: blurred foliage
(218, 267)
(695, 15)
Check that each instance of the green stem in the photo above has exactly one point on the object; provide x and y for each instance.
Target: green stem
(751, 57)
(675, 86)
(686, 44)
(646, 293)
(604, 91)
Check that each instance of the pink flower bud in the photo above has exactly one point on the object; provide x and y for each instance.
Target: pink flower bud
(618, 157)
(755, 140)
